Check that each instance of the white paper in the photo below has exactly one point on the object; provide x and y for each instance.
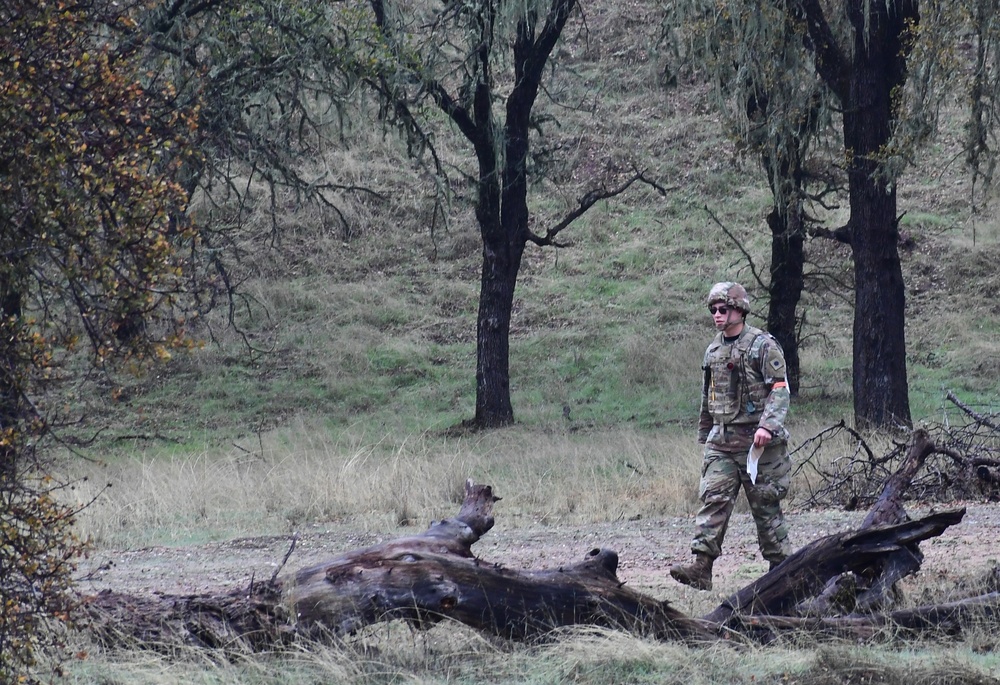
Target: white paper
(753, 456)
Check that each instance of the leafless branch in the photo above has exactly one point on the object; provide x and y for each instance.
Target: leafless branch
(841, 234)
(588, 201)
(971, 412)
(288, 554)
(964, 465)
(746, 255)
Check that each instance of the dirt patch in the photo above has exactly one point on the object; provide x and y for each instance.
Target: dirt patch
(646, 549)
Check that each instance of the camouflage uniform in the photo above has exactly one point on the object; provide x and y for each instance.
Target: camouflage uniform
(744, 389)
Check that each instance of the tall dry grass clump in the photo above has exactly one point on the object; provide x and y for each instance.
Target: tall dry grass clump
(304, 474)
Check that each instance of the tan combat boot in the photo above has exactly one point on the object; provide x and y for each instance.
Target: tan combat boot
(698, 574)
(774, 562)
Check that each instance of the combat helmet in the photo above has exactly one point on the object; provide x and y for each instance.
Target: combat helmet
(732, 294)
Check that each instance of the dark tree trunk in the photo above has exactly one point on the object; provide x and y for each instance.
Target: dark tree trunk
(864, 77)
(785, 289)
(502, 189)
(785, 220)
(501, 262)
(10, 393)
(881, 395)
(502, 208)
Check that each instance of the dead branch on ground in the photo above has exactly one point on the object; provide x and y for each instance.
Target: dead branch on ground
(965, 464)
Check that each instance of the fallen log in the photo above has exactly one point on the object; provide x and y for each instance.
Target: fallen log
(345, 595)
(950, 618)
(243, 621)
(421, 579)
(434, 576)
(850, 572)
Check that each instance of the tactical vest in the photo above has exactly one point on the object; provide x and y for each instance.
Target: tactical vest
(736, 389)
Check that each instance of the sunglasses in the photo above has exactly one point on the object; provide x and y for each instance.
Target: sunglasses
(722, 309)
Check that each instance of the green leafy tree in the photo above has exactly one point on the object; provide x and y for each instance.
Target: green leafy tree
(95, 267)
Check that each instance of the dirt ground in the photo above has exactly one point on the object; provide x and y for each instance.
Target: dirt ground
(646, 549)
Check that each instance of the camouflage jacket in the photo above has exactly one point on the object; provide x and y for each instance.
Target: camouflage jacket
(745, 388)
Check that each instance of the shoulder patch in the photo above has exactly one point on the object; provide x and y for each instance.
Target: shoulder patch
(776, 364)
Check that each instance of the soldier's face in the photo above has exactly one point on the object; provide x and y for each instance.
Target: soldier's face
(724, 316)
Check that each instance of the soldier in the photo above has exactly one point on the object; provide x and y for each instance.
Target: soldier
(743, 407)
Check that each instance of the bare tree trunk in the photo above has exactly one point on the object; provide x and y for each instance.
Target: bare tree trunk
(785, 220)
(785, 288)
(501, 263)
(881, 394)
(864, 77)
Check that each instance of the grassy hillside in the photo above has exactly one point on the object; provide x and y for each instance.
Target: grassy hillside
(377, 328)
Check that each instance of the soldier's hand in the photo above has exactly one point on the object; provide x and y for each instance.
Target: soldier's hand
(761, 437)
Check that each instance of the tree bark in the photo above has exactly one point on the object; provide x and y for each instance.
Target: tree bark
(864, 77)
(502, 205)
(888, 508)
(785, 220)
(881, 394)
(785, 288)
(501, 263)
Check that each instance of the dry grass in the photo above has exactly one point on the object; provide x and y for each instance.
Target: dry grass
(299, 475)
(452, 654)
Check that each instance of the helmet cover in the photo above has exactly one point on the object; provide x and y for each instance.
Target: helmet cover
(732, 294)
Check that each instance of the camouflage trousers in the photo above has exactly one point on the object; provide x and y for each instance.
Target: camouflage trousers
(722, 474)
